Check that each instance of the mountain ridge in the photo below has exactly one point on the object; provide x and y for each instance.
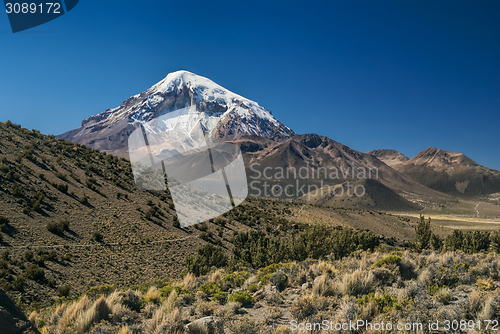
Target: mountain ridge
(446, 171)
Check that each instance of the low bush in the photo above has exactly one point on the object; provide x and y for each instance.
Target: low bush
(303, 308)
(64, 290)
(242, 297)
(58, 227)
(386, 303)
(210, 288)
(32, 271)
(391, 259)
(97, 236)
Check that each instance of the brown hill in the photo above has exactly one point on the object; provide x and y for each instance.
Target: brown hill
(391, 158)
(328, 163)
(451, 172)
(362, 194)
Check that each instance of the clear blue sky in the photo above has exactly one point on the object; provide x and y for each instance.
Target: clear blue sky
(371, 74)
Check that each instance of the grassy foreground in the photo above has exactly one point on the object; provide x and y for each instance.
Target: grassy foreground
(396, 287)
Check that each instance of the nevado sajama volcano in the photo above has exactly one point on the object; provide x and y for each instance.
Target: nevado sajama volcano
(225, 115)
(265, 141)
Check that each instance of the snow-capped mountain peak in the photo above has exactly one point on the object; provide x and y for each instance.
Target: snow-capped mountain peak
(224, 114)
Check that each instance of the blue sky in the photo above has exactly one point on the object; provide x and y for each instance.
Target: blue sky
(398, 74)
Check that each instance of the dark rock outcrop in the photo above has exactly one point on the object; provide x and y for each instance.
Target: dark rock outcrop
(12, 319)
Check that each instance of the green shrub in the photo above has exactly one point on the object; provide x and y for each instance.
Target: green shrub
(210, 288)
(423, 233)
(236, 279)
(433, 289)
(265, 273)
(167, 289)
(385, 303)
(19, 283)
(485, 284)
(64, 290)
(58, 227)
(60, 175)
(84, 199)
(259, 249)
(32, 271)
(391, 259)
(3, 220)
(4, 224)
(208, 256)
(242, 297)
(97, 236)
(220, 297)
(253, 288)
(61, 187)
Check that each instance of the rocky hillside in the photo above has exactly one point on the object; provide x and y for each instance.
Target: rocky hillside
(72, 218)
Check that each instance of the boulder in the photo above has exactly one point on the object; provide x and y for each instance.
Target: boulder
(264, 292)
(280, 280)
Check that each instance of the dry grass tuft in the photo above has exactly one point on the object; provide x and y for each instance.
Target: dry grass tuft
(216, 277)
(72, 312)
(152, 295)
(124, 330)
(359, 282)
(32, 317)
(189, 281)
(171, 302)
(323, 286)
(99, 311)
(444, 295)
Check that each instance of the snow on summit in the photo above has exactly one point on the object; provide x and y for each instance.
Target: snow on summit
(224, 114)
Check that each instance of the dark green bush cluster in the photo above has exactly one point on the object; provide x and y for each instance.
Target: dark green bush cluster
(153, 211)
(468, 241)
(37, 200)
(64, 290)
(208, 256)
(472, 241)
(46, 255)
(236, 278)
(62, 187)
(60, 175)
(258, 249)
(210, 288)
(4, 224)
